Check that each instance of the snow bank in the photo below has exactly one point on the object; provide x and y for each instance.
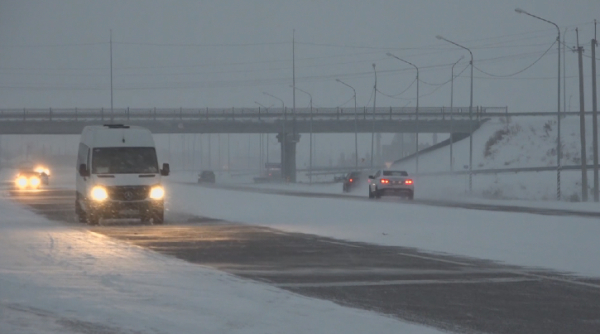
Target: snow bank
(521, 142)
(555, 242)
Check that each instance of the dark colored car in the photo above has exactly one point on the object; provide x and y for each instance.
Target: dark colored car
(207, 176)
(351, 181)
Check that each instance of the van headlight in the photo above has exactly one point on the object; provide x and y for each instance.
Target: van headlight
(99, 193)
(157, 192)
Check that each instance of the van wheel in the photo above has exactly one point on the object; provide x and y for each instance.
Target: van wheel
(80, 213)
(371, 195)
(158, 218)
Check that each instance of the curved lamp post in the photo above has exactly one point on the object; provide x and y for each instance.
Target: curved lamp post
(355, 124)
(452, 111)
(558, 143)
(416, 111)
(470, 113)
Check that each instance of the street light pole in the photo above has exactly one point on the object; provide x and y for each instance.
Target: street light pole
(283, 134)
(470, 114)
(452, 113)
(416, 111)
(267, 134)
(310, 136)
(111, 80)
(373, 122)
(355, 124)
(558, 141)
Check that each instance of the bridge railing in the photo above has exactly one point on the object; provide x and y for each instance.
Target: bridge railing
(229, 114)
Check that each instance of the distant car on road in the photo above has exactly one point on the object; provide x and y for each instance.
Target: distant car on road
(207, 176)
(272, 173)
(391, 182)
(29, 180)
(351, 181)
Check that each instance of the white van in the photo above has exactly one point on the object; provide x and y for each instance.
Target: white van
(118, 175)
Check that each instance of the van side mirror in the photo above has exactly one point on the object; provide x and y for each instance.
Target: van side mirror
(166, 170)
(371, 177)
(83, 171)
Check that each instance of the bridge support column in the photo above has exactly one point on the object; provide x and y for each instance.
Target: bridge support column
(288, 143)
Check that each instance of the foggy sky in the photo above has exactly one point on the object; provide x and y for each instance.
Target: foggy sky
(226, 53)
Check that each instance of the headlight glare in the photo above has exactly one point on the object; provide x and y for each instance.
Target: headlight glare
(21, 182)
(99, 194)
(157, 192)
(34, 181)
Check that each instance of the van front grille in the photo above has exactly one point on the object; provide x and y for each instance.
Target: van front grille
(128, 193)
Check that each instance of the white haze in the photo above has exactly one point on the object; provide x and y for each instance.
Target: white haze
(201, 54)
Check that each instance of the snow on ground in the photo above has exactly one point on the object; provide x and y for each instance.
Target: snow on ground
(523, 142)
(554, 242)
(56, 278)
(509, 191)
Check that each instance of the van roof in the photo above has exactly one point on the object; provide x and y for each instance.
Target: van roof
(116, 135)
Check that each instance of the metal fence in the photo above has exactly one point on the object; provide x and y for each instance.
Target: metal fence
(124, 114)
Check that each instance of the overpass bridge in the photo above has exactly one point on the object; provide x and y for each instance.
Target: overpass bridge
(282, 121)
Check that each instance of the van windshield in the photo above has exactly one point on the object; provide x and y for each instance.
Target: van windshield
(124, 160)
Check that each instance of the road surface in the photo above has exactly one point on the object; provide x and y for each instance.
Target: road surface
(462, 295)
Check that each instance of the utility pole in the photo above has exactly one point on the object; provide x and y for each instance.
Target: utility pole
(194, 151)
(584, 186)
(209, 153)
(452, 114)
(294, 86)
(373, 123)
(111, 80)
(595, 115)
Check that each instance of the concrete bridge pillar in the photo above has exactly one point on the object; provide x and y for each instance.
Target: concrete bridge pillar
(288, 143)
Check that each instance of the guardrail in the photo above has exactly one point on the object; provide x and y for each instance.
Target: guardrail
(505, 170)
(216, 114)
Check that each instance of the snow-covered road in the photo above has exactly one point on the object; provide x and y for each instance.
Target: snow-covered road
(562, 243)
(58, 278)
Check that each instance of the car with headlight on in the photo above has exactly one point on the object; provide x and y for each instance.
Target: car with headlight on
(28, 180)
(118, 175)
(392, 183)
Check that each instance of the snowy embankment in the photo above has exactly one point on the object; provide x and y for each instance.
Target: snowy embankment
(554, 242)
(522, 142)
(65, 279)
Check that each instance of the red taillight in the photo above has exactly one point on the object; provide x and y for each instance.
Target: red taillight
(409, 181)
(351, 180)
(384, 181)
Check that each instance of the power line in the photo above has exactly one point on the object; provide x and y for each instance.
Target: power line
(201, 45)
(343, 104)
(518, 72)
(445, 82)
(53, 45)
(395, 96)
